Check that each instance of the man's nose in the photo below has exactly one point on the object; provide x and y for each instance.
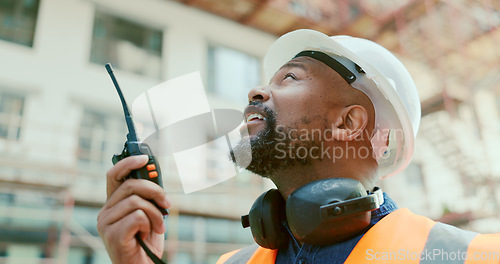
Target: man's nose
(259, 93)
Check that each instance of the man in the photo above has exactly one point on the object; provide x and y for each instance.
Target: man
(336, 109)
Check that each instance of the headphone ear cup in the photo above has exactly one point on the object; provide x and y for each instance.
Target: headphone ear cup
(266, 218)
(328, 211)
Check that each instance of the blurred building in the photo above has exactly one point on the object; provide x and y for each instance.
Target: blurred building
(61, 120)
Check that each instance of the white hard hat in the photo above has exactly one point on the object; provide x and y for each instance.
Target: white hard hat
(383, 78)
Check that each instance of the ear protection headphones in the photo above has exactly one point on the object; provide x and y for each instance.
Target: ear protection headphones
(319, 213)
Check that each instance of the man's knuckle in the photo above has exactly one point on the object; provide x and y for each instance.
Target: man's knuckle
(109, 173)
(99, 215)
(129, 186)
(107, 236)
(100, 228)
(135, 201)
(139, 215)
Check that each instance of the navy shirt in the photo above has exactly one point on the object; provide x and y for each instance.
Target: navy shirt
(335, 254)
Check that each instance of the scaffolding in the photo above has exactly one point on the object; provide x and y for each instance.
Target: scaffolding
(455, 42)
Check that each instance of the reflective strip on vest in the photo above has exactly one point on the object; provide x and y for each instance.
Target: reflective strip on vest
(398, 238)
(446, 244)
(402, 237)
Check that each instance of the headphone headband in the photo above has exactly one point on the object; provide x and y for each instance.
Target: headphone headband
(353, 206)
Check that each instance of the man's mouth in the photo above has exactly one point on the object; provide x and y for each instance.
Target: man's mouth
(254, 116)
(255, 120)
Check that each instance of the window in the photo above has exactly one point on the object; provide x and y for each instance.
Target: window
(226, 231)
(216, 149)
(127, 45)
(100, 137)
(11, 115)
(18, 20)
(204, 239)
(231, 73)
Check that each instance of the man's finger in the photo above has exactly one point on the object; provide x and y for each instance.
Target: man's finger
(122, 233)
(129, 205)
(122, 169)
(147, 190)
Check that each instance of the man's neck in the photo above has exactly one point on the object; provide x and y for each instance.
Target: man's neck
(288, 180)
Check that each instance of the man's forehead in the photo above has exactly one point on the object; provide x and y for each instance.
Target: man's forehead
(300, 62)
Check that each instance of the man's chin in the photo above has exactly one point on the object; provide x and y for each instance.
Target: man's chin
(241, 154)
(256, 159)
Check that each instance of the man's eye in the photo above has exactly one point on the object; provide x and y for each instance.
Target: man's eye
(290, 75)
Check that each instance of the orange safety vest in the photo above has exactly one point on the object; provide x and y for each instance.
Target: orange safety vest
(401, 237)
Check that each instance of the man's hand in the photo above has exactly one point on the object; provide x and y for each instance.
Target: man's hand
(127, 212)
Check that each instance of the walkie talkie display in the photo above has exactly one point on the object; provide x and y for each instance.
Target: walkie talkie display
(133, 147)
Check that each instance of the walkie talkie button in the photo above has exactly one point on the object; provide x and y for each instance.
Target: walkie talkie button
(151, 167)
(153, 174)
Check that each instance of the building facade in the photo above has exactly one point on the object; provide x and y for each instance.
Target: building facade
(61, 120)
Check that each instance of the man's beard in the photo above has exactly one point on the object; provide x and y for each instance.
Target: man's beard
(266, 149)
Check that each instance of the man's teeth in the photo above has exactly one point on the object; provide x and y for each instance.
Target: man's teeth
(255, 115)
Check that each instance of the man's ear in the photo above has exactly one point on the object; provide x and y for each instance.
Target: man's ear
(351, 123)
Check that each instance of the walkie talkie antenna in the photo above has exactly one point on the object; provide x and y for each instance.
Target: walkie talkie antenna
(131, 136)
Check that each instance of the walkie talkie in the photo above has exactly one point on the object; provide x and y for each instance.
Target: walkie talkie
(133, 147)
